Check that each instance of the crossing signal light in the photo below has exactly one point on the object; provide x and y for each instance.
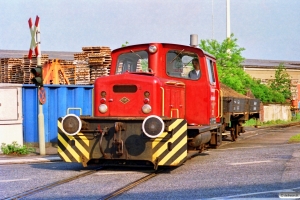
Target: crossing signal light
(38, 75)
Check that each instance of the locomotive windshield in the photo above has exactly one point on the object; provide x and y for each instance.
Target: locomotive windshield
(132, 62)
(183, 64)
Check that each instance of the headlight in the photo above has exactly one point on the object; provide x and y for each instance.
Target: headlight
(153, 126)
(146, 108)
(71, 124)
(152, 48)
(103, 108)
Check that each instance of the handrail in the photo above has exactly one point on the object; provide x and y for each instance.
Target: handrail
(162, 102)
(80, 110)
(171, 82)
(221, 103)
(180, 84)
(218, 115)
(220, 98)
(177, 112)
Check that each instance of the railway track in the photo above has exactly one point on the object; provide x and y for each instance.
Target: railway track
(251, 132)
(131, 185)
(113, 194)
(49, 186)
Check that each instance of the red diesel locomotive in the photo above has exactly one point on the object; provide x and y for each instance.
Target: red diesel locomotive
(150, 111)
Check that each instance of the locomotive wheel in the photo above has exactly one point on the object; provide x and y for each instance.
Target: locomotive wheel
(236, 131)
(232, 134)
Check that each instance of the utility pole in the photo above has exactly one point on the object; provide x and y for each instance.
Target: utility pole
(212, 17)
(228, 18)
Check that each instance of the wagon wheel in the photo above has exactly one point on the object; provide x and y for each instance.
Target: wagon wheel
(236, 130)
(232, 134)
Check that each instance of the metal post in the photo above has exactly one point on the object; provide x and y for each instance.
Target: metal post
(41, 126)
(212, 16)
(228, 19)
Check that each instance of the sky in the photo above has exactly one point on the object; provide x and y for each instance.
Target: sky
(267, 29)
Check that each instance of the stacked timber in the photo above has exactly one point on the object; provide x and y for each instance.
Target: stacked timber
(80, 56)
(91, 63)
(10, 71)
(68, 71)
(81, 69)
(99, 60)
(1, 70)
(27, 64)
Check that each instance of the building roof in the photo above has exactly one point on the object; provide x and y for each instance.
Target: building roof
(257, 63)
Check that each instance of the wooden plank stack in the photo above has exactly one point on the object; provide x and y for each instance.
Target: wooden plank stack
(82, 69)
(2, 70)
(10, 71)
(88, 65)
(99, 60)
(68, 69)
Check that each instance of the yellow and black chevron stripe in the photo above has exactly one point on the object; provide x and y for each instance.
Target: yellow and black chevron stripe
(178, 142)
(72, 148)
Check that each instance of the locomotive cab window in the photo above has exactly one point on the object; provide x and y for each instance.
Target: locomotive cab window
(183, 64)
(210, 68)
(132, 62)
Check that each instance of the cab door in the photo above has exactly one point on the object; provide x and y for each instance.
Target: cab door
(214, 91)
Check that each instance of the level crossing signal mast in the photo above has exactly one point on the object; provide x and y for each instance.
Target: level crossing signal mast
(34, 47)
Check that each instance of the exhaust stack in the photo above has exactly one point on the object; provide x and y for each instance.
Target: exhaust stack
(194, 40)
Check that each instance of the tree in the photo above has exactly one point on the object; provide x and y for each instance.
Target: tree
(228, 53)
(229, 59)
(230, 71)
(282, 82)
(126, 43)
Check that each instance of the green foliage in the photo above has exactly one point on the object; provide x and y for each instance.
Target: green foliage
(295, 138)
(228, 53)
(297, 116)
(257, 122)
(231, 73)
(126, 43)
(254, 122)
(282, 81)
(144, 65)
(16, 149)
(265, 93)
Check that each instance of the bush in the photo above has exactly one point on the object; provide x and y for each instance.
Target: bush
(295, 138)
(16, 149)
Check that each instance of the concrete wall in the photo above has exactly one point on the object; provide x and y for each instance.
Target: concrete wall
(272, 112)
